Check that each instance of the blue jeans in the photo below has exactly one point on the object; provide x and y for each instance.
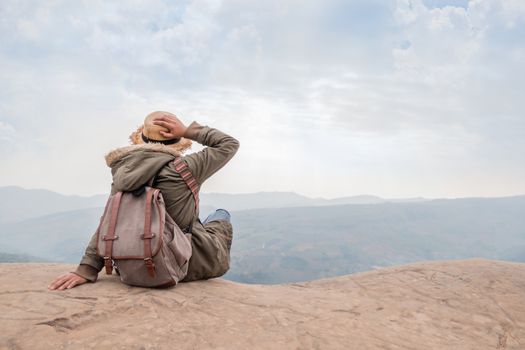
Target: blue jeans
(219, 214)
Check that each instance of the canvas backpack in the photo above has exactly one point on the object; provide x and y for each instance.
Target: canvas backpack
(141, 240)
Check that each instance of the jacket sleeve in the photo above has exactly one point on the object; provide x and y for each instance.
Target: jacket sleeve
(90, 264)
(220, 149)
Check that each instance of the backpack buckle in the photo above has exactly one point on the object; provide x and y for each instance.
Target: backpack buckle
(150, 266)
(109, 265)
(106, 238)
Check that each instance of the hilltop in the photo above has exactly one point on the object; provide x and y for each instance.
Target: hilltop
(467, 304)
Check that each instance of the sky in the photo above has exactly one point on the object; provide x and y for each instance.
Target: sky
(328, 98)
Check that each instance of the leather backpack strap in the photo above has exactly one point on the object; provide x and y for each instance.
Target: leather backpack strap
(147, 235)
(110, 237)
(181, 167)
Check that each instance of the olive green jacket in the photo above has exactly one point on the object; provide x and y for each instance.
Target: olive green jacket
(133, 166)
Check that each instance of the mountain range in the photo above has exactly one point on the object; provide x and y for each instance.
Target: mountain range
(19, 203)
(287, 243)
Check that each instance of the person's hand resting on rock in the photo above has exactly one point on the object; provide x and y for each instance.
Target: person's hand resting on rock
(67, 281)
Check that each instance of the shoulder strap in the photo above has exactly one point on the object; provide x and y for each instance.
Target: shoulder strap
(110, 237)
(181, 167)
(147, 236)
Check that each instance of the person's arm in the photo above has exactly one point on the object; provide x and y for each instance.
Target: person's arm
(91, 263)
(221, 147)
(203, 164)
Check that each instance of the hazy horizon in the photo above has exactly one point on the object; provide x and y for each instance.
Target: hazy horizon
(259, 192)
(395, 98)
(283, 238)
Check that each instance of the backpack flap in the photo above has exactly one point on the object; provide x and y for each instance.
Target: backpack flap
(132, 226)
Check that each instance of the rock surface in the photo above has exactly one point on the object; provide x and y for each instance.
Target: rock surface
(470, 304)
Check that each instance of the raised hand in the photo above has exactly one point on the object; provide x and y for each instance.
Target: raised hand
(176, 128)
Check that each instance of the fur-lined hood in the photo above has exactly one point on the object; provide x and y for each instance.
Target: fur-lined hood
(133, 166)
(119, 153)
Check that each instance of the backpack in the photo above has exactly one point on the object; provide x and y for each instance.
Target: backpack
(141, 240)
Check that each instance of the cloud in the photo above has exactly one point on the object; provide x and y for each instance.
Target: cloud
(390, 89)
(7, 137)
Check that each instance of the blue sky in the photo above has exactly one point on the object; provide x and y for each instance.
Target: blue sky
(393, 98)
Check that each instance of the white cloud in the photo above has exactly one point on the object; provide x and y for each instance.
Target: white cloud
(377, 92)
(7, 131)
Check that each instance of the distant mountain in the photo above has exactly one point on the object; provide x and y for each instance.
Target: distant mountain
(20, 204)
(297, 244)
(279, 245)
(57, 237)
(286, 200)
(255, 200)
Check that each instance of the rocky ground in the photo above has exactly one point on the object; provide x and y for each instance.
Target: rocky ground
(470, 304)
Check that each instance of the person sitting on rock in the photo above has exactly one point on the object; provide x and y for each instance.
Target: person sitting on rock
(161, 139)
